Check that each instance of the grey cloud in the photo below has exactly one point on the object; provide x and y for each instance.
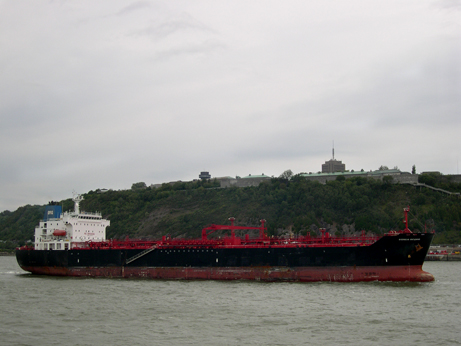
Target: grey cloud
(162, 90)
(166, 29)
(448, 4)
(189, 49)
(135, 6)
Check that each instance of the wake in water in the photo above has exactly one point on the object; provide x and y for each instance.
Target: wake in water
(13, 272)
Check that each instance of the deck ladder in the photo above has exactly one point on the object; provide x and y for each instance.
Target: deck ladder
(142, 253)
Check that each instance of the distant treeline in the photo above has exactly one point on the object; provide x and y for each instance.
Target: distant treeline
(290, 204)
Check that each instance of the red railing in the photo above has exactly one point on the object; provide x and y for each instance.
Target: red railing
(231, 242)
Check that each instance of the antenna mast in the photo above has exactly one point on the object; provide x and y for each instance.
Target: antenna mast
(333, 151)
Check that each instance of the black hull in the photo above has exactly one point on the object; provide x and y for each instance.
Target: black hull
(393, 257)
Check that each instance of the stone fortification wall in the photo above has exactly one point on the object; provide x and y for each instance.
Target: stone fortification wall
(454, 178)
(242, 182)
(406, 178)
(228, 182)
(323, 179)
(398, 178)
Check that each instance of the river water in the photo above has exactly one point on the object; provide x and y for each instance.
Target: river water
(37, 310)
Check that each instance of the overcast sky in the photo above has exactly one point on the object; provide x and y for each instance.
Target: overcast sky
(103, 94)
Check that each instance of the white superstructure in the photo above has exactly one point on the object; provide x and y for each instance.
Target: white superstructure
(63, 231)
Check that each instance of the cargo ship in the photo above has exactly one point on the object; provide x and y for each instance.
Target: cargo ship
(74, 243)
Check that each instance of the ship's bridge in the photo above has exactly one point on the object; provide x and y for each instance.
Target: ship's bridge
(57, 231)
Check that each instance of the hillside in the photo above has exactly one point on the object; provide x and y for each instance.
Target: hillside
(295, 205)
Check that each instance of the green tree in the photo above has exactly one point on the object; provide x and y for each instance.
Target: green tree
(139, 186)
(388, 179)
(286, 175)
(428, 178)
(183, 209)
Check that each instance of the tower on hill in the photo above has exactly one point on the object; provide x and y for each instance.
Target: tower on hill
(333, 165)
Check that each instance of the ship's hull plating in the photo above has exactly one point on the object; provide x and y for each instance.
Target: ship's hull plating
(392, 258)
(300, 274)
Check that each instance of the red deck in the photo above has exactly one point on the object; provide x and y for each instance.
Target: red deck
(228, 241)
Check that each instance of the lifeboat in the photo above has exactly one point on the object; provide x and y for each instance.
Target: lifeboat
(59, 233)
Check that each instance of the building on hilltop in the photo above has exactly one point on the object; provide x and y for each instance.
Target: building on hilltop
(333, 165)
(249, 180)
(396, 174)
(204, 175)
(333, 169)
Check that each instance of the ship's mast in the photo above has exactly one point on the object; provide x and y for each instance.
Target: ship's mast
(406, 210)
(77, 199)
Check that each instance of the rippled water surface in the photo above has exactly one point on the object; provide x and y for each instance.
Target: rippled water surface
(39, 310)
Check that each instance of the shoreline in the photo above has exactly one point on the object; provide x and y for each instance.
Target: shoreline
(445, 257)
